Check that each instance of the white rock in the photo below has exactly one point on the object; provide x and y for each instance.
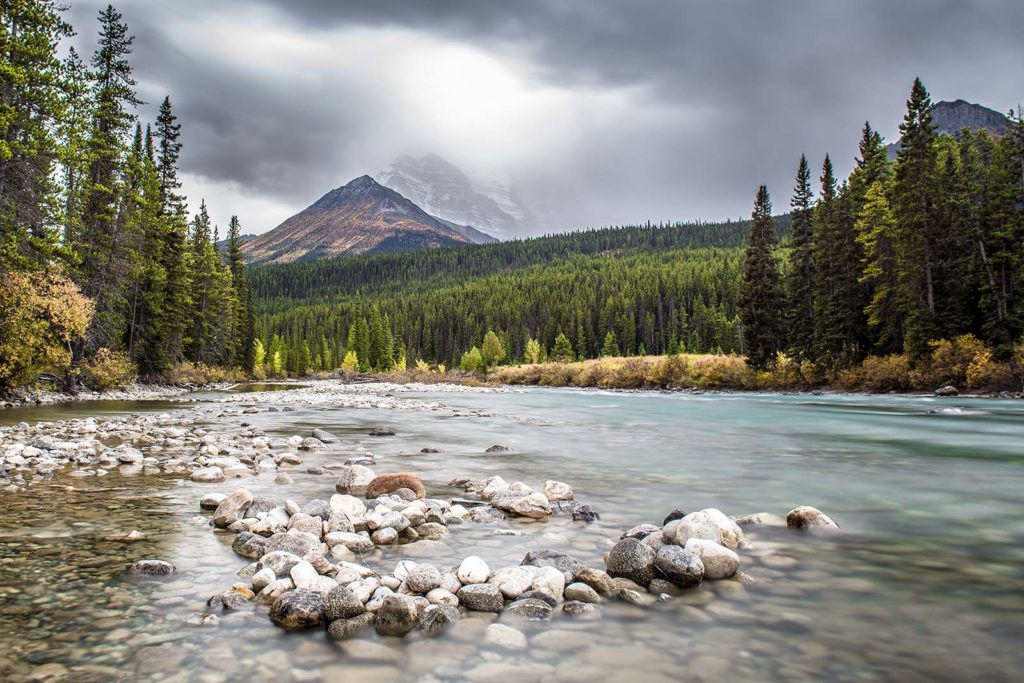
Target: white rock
(513, 581)
(557, 490)
(709, 524)
(303, 573)
(505, 637)
(534, 506)
(349, 505)
(263, 578)
(439, 596)
(473, 570)
(719, 561)
(493, 487)
(549, 580)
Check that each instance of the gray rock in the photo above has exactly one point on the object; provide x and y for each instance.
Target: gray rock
(384, 536)
(153, 567)
(343, 629)
(318, 508)
(314, 526)
(806, 517)
(312, 444)
(354, 479)
(565, 563)
(324, 436)
(528, 609)
(481, 597)
(682, 567)
(672, 516)
(581, 592)
(279, 561)
(232, 508)
(598, 580)
(298, 609)
(719, 561)
(208, 475)
(505, 637)
(948, 390)
(578, 608)
(641, 531)
(397, 615)
(211, 500)
(708, 524)
(295, 542)
(585, 513)
(633, 560)
(423, 578)
(436, 618)
(342, 603)
(249, 545)
(498, 448)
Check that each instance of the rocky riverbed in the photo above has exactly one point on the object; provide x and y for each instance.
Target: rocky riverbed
(112, 570)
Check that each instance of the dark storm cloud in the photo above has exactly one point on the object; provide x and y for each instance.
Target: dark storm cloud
(743, 88)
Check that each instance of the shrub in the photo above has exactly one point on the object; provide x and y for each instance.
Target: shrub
(722, 372)
(631, 374)
(668, 371)
(472, 361)
(41, 314)
(351, 362)
(879, 374)
(422, 365)
(949, 361)
(199, 374)
(108, 370)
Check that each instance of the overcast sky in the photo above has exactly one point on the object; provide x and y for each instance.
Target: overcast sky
(603, 111)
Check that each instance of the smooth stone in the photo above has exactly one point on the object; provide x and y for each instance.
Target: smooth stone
(385, 484)
(473, 570)
(709, 524)
(598, 580)
(396, 616)
(423, 578)
(719, 562)
(807, 517)
(567, 564)
(585, 513)
(533, 506)
(549, 580)
(436, 618)
(505, 637)
(513, 581)
(208, 475)
(249, 545)
(440, 596)
(342, 603)
(211, 500)
(343, 629)
(579, 608)
(528, 609)
(557, 490)
(232, 508)
(298, 609)
(581, 592)
(481, 597)
(682, 567)
(152, 567)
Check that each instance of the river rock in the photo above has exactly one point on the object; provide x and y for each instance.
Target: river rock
(385, 484)
(528, 609)
(585, 513)
(324, 436)
(423, 578)
(302, 573)
(760, 518)
(211, 500)
(549, 580)
(342, 603)
(153, 567)
(440, 596)
(432, 531)
(343, 629)
(263, 578)
(581, 592)
(709, 524)
(948, 390)
(354, 479)
(382, 431)
(557, 490)
(807, 517)
(232, 508)
(641, 531)
(534, 506)
(505, 637)
(498, 448)
(314, 526)
(357, 543)
(279, 561)
(599, 580)
(208, 475)
(312, 444)
(249, 545)
(633, 560)
(339, 521)
(719, 561)
(565, 563)
(513, 581)
(298, 609)
(396, 616)
(295, 542)
(436, 618)
(384, 536)
(473, 570)
(682, 567)
(347, 505)
(481, 597)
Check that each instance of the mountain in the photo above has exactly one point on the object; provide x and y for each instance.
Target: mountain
(443, 190)
(362, 217)
(950, 118)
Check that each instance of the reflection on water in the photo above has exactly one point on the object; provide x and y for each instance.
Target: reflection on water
(925, 582)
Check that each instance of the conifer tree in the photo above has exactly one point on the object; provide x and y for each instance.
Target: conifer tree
(875, 232)
(800, 280)
(493, 351)
(244, 332)
(562, 350)
(610, 347)
(760, 302)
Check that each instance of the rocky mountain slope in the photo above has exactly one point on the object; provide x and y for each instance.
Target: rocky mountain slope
(950, 118)
(359, 218)
(444, 190)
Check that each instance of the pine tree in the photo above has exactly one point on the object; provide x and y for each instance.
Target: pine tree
(610, 347)
(244, 331)
(562, 350)
(914, 211)
(875, 232)
(169, 150)
(102, 245)
(31, 108)
(800, 280)
(760, 303)
(493, 351)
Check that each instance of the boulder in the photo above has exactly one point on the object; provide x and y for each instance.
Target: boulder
(709, 524)
(396, 616)
(598, 580)
(354, 479)
(423, 578)
(208, 475)
(385, 484)
(682, 567)
(585, 513)
(948, 390)
(513, 581)
(528, 609)
(232, 508)
(534, 505)
(806, 517)
(324, 436)
(565, 563)
(298, 609)
(481, 597)
(152, 567)
(249, 545)
(633, 560)
(719, 562)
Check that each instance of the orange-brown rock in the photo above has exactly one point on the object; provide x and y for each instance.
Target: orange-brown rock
(384, 484)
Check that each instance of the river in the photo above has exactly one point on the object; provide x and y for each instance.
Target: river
(924, 581)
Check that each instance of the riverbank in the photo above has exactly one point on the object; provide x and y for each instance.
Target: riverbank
(135, 392)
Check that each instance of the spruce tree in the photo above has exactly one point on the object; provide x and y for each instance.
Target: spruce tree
(562, 350)
(610, 347)
(800, 279)
(914, 211)
(242, 344)
(760, 303)
(492, 350)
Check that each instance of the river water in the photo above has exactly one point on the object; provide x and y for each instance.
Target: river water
(925, 580)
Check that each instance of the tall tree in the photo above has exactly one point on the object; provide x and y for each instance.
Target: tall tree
(875, 232)
(31, 107)
(800, 279)
(760, 303)
(243, 348)
(914, 210)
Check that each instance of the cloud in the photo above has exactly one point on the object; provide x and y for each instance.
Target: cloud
(604, 111)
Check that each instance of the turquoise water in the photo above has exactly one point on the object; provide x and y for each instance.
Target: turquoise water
(925, 581)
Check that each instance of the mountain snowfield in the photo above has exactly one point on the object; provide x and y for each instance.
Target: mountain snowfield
(444, 190)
